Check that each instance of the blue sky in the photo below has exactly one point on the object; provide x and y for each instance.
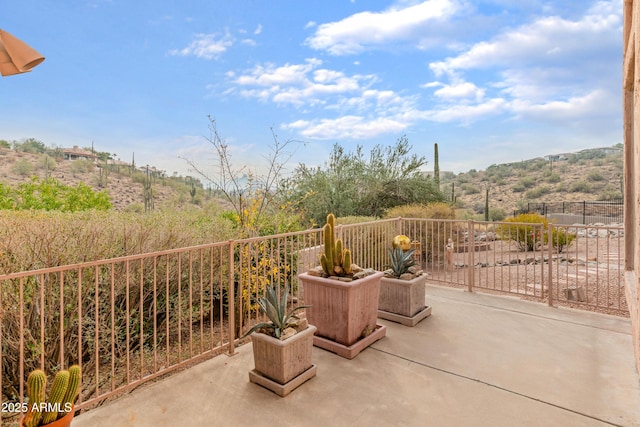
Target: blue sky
(490, 81)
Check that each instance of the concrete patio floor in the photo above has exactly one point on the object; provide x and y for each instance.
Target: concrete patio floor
(479, 360)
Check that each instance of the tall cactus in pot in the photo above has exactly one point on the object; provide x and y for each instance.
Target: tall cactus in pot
(64, 390)
(336, 260)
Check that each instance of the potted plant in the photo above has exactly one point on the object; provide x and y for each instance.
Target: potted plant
(402, 295)
(58, 409)
(344, 299)
(282, 347)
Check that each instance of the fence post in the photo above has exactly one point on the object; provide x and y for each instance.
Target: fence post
(398, 225)
(550, 264)
(584, 212)
(231, 302)
(471, 249)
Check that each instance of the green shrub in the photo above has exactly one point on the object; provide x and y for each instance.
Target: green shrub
(23, 167)
(81, 166)
(528, 182)
(353, 219)
(595, 176)
(497, 214)
(50, 195)
(47, 162)
(518, 188)
(561, 239)
(581, 186)
(526, 230)
(554, 178)
(537, 192)
(561, 187)
(469, 189)
(435, 210)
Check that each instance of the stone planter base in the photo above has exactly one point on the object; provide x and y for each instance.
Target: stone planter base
(349, 352)
(282, 389)
(404, 320)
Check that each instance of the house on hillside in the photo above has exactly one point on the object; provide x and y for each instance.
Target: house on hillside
(77, 153)
(556, 157)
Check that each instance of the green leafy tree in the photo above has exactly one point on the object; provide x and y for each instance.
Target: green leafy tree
(30, 145)
(352, 183)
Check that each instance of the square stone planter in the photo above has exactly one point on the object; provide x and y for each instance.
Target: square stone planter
(282, 365)
(345, 313)
(402, 301)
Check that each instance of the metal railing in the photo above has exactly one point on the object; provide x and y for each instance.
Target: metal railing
(129, 320)
(585, 212)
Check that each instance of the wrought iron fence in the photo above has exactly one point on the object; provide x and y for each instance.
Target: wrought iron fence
(129, 320)
(606, 211)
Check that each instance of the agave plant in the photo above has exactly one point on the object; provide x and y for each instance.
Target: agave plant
(400, 261)
(276, 311)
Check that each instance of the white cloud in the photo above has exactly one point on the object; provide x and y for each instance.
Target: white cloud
(544, 70)
(574, 108)
(270, 75)
(355, 127)
(467, 113)
(298, 84)
(549, 40)
(367, 29)
(459, 90)
(206, 46)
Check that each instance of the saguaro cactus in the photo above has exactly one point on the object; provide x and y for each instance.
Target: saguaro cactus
(436, 166)
(335, 260)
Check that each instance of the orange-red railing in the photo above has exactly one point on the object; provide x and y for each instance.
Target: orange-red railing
(129, 320)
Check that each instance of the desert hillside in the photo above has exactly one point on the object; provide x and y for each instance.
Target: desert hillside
(593, 174)
(587, 175)
(125, 189)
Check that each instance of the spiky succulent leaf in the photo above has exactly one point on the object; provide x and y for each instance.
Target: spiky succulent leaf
(401, 260)
(275, 308)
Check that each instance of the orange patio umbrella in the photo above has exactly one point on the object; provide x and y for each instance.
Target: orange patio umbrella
(16, 56)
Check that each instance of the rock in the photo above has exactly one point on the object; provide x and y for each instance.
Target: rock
(355, 268)
(406, 276)
(302, 324)
(288, 333)
(317, 271)
(413, 269)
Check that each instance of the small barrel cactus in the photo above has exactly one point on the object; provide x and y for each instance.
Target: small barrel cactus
(335, 261)
(401, 241)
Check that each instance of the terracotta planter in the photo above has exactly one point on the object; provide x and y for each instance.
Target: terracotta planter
(402, 301)
(282, 365)
(62, 422)
(345, 313)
